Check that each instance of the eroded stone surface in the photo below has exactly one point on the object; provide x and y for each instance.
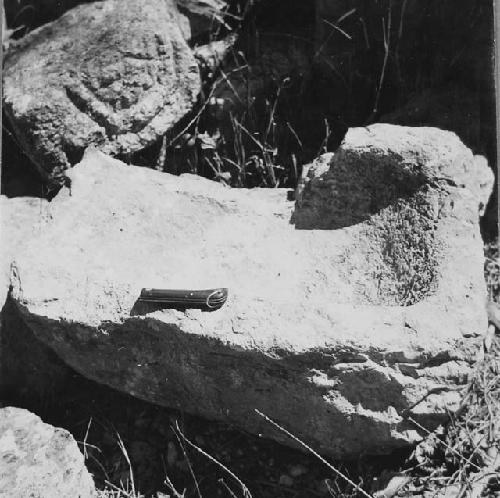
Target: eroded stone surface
(20, 220)
(203, 15)
(38, 460)
(406, 189)
(116, 74)
(307, 336)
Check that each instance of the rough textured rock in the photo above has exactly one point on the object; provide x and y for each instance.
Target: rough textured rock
(27, 366)
(116, 74)
(338, 334)
(21, 219)
(38, 460)
(19, 12)
(198, 18)
(203, 16)
(408, 185)
(470, 114)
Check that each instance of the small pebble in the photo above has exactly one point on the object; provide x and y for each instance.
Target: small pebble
(297, 470)
(171, 454)
(286, 480)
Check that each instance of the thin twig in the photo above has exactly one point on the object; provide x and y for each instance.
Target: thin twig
(228, 489)
(294, 133)
(315, 453)
(387, 44)
(190, 467)
(496, 263)
(365, 32)
(125, 454)
(340, 30)
(123, 492)
(453, 450)
(346, 15)
(170, 485)
(398, 45)
(84, 442)
(259, 145)
(246, 491)
(231, 86)
(101, 466)
(203, 107)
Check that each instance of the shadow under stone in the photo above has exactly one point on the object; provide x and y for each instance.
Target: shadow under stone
(20, 177)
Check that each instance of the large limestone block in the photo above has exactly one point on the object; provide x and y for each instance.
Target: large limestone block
(38, 460)
(117, 74)
(338, 332)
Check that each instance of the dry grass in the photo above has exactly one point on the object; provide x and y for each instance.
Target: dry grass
(492, 271)
(463, 459)
(325, 462)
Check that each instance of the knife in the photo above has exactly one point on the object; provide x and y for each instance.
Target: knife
(208, 300)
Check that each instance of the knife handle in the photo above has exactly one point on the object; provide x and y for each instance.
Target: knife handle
(211, 299)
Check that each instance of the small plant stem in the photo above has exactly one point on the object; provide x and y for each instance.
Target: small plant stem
(188, 463)
(340, 30)
(453, 450)
(171, 486)
(315, 453)
(246, 491)
(200, 111)
(125, 454)
(387, 45)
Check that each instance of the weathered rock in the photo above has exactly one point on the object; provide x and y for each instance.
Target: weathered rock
(203, 15)
(21, 219)
(38, 460)
(116, 74)
(27, 366)
(19, 12)
(403, 183)
(470, 114)
(199, 15)
(338, 333)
